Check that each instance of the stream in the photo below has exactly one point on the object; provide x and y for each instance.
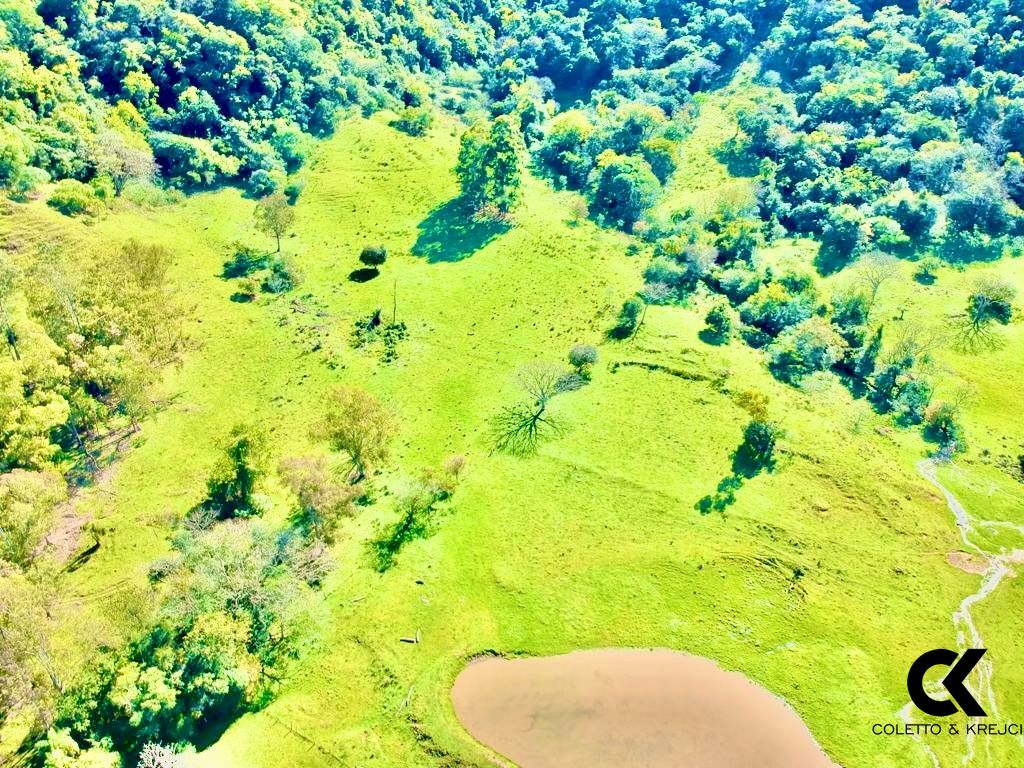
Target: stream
(967, 635)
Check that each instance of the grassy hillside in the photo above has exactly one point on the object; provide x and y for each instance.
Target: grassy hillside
(822, 582)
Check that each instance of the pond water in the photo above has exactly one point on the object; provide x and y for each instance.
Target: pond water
(629, 708)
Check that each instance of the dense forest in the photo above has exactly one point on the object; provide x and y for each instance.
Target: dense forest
(887, 133)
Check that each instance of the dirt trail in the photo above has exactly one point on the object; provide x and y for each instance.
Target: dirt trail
(994, 568)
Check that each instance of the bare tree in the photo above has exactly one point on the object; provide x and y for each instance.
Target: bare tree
(874, 271)
(518, 428)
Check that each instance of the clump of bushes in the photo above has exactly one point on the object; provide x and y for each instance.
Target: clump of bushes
(583, 357)
(283, 275)
(415, 121)
(72, 198)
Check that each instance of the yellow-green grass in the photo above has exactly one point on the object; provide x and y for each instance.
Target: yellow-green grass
(593, 542)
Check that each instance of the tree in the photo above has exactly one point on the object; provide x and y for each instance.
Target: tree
(489, 166)
(874, 271)
(582, 357)
(373, 256)
(323, 501)
(718, 323)
(274, 216)
(812, 345)
(229, 489)
(358, 424)
(518, 428)
(28, 501)
(757, 451)
(942, 425)
(622, 187)
(991, 302)
(28, 676)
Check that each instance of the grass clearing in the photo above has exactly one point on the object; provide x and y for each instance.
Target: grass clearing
(822, 582)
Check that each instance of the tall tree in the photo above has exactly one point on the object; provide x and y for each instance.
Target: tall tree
(274, 216)
(489, 167)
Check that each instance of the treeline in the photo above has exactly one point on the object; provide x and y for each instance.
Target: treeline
(892, 127)
(212, 92)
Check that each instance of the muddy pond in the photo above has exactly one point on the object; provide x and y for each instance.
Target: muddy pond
(629, 707)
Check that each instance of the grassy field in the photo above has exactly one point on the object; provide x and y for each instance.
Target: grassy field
(822, 582)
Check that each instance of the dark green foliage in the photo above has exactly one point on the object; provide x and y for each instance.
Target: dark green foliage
(282, 277)
(864, 367)
(228, 618)
(718, 324)
(757, 451)
(489, 165)
(623, 187)
(943, 426)
(776, 307)
(414, 121)
(628, 319)
(812, 345)
(244, 261)
(373, 256)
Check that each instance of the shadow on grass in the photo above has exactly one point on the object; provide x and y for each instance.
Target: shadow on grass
(745, 466)
(451, 232)
(714, 339)
(363, 275)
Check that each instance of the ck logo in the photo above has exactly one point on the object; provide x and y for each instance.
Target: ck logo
(953, 682)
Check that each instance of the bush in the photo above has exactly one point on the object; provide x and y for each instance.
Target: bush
(283, 276)
(414, 121)
(582, 357)
(72, 197)
(629, 318)
(718, 323)
(244, 261)
(942, 425)
(927, 270)
(374, 256)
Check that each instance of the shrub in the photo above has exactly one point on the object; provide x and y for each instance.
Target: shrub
(582, 357)
(414, 121)
(283, 276)
(718, 323)
(72, 197)
(373, 256)
(244, 261)
(942, 425)
(629, 318)
(927, 270)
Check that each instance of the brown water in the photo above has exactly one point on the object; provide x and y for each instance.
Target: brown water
(626, 708)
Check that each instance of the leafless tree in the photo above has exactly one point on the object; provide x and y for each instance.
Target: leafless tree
(518, 428)
(874, 271)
